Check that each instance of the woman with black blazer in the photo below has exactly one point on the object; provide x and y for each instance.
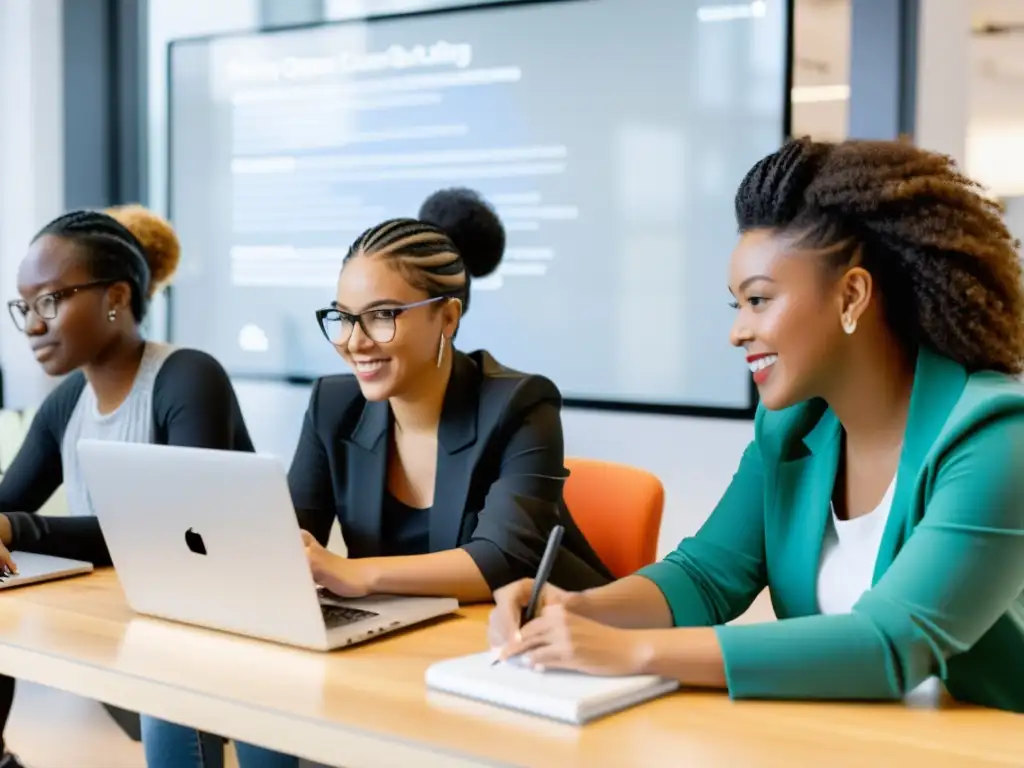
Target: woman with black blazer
(445, 470)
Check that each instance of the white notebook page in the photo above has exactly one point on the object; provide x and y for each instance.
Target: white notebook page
(567, 696)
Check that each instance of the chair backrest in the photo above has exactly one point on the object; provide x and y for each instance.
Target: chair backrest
(618, 508)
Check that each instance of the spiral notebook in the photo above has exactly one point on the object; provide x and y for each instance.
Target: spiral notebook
(569, 697)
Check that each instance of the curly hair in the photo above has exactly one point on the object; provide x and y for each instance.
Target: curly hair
(158, 238)
(947, 268)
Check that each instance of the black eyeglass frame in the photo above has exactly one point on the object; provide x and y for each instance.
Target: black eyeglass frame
(358, 318)
(18, 309)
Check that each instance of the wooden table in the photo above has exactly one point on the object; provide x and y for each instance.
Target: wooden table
(368, 705)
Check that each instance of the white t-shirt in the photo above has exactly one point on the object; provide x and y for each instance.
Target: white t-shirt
(131, 422)
(846, 567)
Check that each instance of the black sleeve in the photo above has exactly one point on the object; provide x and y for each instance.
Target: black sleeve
(194, 404)
(524, 504)
(36, 472)
(310, 477)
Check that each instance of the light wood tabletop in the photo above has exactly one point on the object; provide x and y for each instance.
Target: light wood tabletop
(368, 705)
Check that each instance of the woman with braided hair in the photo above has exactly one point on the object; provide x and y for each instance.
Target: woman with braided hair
(444, 469)
(879, 302)
(84, 287)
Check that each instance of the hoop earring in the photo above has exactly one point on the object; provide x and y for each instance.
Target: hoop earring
(112, 315)
(849, 325)
(440, 350)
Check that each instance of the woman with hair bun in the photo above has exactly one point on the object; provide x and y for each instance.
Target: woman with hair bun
(444, 469)
(85, 285)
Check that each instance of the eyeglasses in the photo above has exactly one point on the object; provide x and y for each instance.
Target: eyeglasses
(46, 306)
(378, 324)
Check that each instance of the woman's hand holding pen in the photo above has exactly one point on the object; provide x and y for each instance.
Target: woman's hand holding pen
(511, 601)
(561, 637)
(341, 575)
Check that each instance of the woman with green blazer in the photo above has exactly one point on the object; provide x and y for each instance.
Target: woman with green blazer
(880, 305)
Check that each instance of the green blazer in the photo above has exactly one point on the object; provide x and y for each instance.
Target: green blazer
(947, 590)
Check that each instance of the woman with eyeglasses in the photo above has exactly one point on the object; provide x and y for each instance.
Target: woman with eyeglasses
(444, 469)
(85, 285)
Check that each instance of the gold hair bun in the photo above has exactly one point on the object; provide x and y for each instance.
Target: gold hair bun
(158, 239)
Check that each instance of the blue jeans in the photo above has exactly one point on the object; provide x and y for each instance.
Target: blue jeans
(175, 746)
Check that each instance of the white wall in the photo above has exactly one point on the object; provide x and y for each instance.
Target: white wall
(31, 164)
(1015, 216)
(944, 77)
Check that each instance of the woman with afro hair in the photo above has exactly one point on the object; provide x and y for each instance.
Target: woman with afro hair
(880, 307)
(444, 469)
(84, 288)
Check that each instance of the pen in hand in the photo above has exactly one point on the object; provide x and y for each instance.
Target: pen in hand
(541, 579)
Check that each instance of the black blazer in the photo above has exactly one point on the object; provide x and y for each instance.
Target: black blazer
(500, 472)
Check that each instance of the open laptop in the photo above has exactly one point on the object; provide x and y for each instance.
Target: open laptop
(210, 538)
(33, 568)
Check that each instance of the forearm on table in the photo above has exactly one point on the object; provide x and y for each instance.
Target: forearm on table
(77, 538)
(691, 655)
(452, 573)
(631, 603)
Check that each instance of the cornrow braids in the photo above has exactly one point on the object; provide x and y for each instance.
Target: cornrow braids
(456, 237)
(112, 251)
(422, 252)
(947, 268)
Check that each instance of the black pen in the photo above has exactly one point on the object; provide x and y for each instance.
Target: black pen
(547, 562)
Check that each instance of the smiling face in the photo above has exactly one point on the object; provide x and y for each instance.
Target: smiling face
(380, 294)
(788, 320)
(80, 331)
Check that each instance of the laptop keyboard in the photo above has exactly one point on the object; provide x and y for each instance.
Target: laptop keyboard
(339, 615)
(336, 616)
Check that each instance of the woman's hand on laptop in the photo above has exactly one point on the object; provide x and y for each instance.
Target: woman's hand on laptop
(342, 576)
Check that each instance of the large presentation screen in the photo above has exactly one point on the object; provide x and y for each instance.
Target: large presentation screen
(610, 136)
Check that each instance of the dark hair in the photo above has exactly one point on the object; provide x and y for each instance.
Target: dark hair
(947, 267)
(111, 250)
(456, 237)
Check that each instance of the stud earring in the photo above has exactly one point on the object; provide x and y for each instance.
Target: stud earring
(849, 325)
(440, 350)
(112, 315)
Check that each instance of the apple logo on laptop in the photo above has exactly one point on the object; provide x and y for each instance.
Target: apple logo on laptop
(195, 542)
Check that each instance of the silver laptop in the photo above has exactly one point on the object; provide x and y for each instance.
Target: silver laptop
(210, 538)
(33, 568)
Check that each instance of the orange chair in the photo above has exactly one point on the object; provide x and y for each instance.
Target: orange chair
(618, 508)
